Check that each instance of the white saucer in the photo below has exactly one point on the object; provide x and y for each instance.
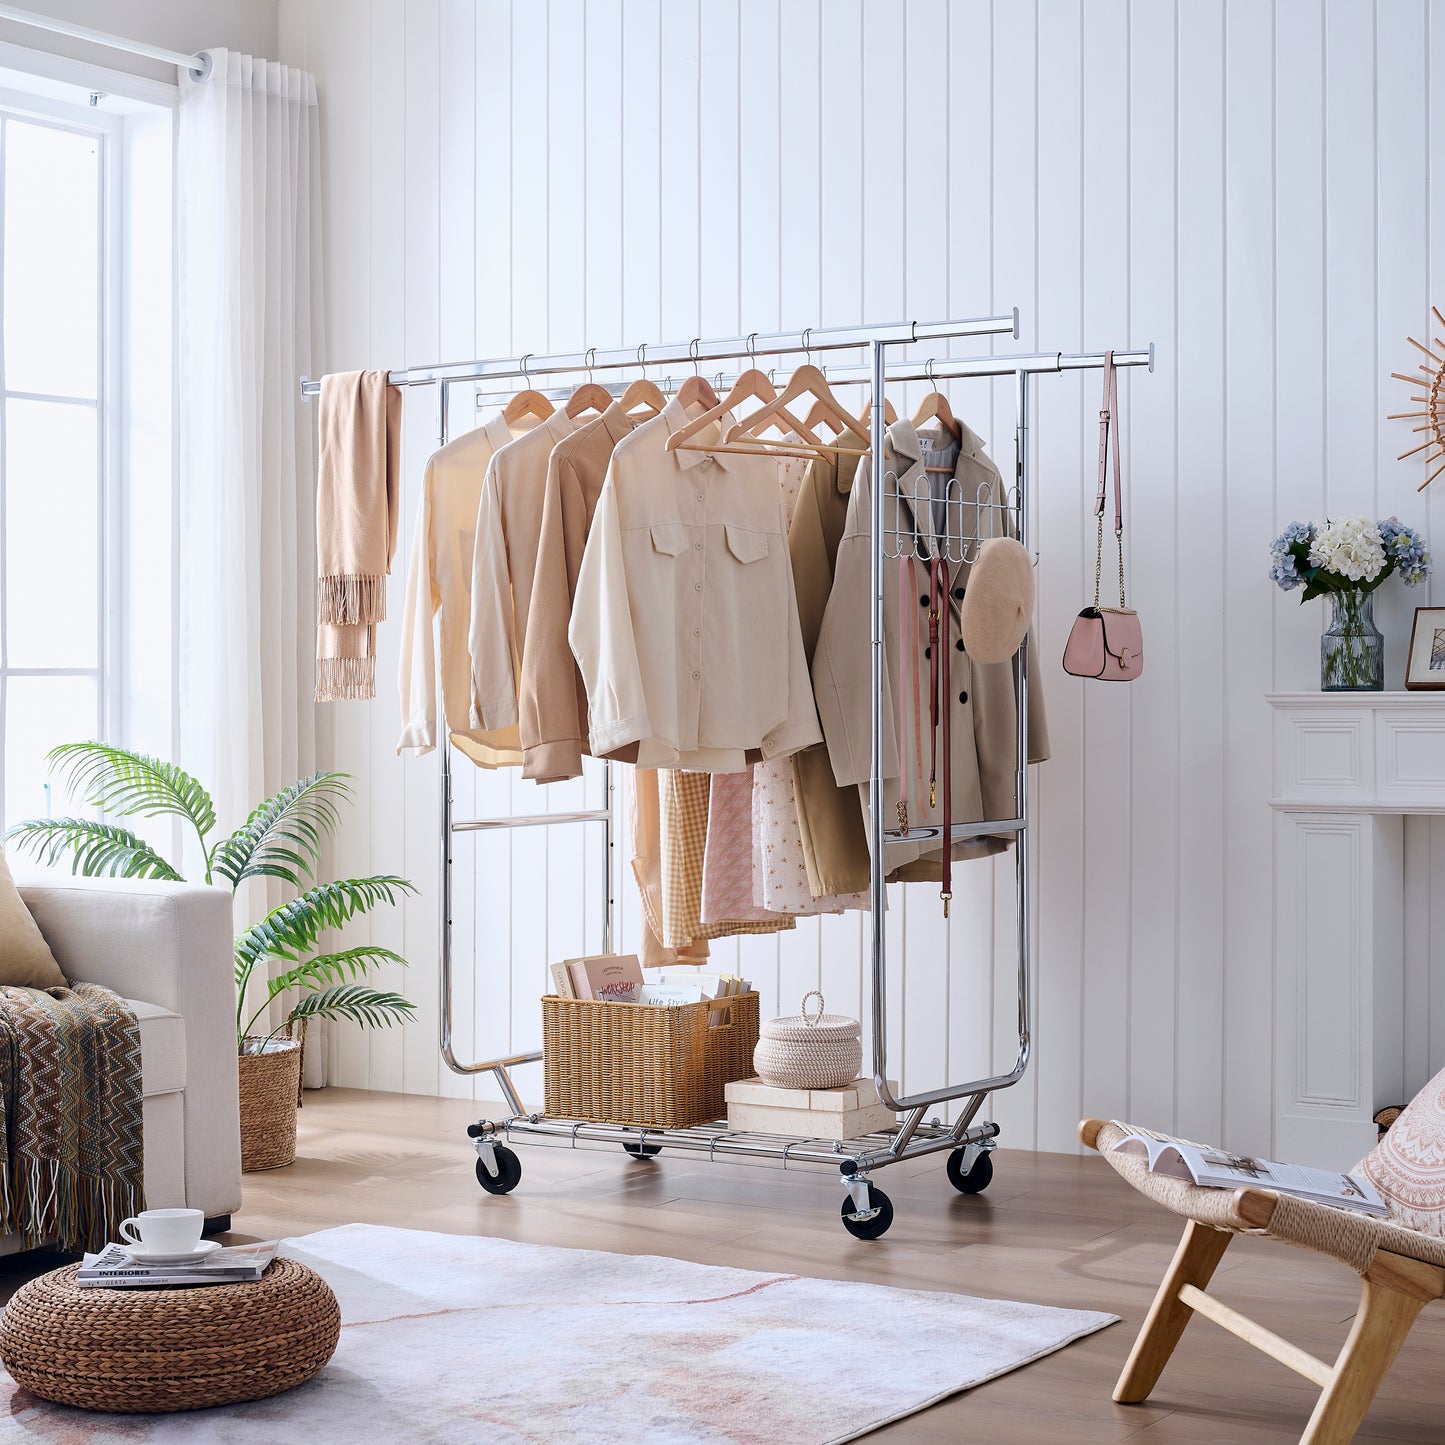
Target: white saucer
(141, 1255)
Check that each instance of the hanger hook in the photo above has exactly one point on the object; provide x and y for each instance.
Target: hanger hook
(807, 349)
(752, 348)
(693, 348)
(928, 372)
(642, 359)
(526, 374)
(591, 358)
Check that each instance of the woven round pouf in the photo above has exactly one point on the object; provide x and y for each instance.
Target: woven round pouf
(153, 1350)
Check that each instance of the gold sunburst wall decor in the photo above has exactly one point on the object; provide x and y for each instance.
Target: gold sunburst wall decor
(1429, 380)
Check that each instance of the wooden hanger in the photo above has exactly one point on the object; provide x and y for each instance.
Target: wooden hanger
(643, 393)
(588, 396)
(864, 418)
(751, 385)
(935, 404)
(527, 403)
(696, 389)
(806, 380)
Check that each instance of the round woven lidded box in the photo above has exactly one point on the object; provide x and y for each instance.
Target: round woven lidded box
(155, 1350)
(270, 1094)
(803, 1051)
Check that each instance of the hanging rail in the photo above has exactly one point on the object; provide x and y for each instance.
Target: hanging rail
(198, 65)
(699, 349)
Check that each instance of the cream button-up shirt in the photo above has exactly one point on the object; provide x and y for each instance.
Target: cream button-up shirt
(685, 622)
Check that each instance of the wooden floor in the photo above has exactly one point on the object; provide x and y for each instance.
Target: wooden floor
(1052, 1229)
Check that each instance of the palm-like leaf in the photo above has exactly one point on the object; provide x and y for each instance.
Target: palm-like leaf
(357, 1002)
(96, 849)
(282, 838)
(331, 968)
(291, 931)
(130, 784)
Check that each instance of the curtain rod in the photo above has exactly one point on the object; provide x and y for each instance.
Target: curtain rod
(699, 349)
(199, 65)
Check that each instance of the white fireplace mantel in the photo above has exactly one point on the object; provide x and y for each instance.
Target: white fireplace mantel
(1347, 768)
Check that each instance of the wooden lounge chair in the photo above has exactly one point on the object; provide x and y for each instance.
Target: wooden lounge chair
(1400, 1261)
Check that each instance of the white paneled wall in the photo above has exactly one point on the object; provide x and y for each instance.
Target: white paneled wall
(1243, 183)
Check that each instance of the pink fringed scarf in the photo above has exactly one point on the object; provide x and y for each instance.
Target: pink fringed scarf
(358, 486)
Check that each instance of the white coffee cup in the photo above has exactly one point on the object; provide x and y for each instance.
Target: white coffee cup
(164, 1231)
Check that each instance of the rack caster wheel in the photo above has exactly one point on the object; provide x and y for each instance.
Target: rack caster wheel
(977, 1179)
(643, 1152)
(508, 1175)
(878, 1215)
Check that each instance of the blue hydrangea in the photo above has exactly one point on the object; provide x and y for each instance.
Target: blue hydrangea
(1283, 571)
(1405, 548)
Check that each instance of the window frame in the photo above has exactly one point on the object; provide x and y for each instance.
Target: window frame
(105, 127)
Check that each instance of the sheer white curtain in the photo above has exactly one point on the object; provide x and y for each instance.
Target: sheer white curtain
(250, 301)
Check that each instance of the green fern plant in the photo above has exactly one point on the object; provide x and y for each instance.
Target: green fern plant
(282, 839)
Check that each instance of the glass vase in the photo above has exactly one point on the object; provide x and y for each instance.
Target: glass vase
(1352, 651)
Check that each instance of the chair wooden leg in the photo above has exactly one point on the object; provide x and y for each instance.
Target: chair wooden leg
(1381, 1325)
(1200, 1250)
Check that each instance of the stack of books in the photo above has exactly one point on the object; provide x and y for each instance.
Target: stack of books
(619, 978)
(115, 1268)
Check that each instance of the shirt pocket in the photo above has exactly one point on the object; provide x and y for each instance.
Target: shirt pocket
(745, 544)
(669, 538)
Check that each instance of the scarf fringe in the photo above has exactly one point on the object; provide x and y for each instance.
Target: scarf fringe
(345, 679)
(348, 601)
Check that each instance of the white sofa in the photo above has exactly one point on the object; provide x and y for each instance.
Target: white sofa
(166, 947)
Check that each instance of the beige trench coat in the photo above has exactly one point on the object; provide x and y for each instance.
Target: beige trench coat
(982, 697)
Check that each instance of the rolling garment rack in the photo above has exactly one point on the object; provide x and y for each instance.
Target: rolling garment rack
(866, 1210)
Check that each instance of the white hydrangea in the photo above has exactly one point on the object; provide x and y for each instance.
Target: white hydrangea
(1350, 549)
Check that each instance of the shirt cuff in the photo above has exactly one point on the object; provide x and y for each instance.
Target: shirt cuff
(553, 762)
(617, 735)
(494, 714)
(792, 737)
(422, 737)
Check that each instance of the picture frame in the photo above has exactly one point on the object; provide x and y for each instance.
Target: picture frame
(1425, 666)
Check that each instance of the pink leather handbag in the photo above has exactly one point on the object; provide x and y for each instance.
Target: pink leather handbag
(1107, 642)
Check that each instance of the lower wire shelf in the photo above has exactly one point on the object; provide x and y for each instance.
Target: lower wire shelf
(866, 1213)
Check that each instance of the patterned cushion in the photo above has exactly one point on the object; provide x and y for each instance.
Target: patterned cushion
(1407, 1166)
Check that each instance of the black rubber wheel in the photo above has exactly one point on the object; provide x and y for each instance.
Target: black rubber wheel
(508, 1175)
(869, 1228)
(977, 1179)
(643, 1152)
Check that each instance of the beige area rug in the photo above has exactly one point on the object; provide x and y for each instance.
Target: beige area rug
(456, 1339)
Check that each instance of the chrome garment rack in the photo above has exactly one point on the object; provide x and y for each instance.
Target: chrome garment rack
(866, 1210)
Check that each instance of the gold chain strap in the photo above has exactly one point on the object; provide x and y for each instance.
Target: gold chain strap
(1098, 562)
(1119, 537)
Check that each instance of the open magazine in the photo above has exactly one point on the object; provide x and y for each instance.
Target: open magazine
(1219, 1169)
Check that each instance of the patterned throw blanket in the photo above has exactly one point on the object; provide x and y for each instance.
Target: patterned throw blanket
(70, 1115)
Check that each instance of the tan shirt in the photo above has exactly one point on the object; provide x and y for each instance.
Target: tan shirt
(509, 522)
(553, 698)
(439, 580)
(685, 624)
(982, 698)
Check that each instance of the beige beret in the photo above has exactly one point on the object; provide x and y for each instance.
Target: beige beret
(998, 601)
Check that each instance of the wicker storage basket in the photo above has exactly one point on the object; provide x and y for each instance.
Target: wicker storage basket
(809, 1051)
(656, 1068)
(270, 1088)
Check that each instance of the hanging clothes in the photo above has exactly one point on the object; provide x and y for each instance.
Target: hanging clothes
(644, 817)
(982, 708)
(553, 698)
(832, 834)
(509, 521)
(439, 580)
(780, 874)
(728, 906)
(685, 623)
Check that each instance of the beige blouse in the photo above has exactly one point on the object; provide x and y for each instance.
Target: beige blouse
(439, 580)
(685, 623)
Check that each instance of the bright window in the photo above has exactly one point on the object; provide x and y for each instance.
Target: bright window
(54, 482)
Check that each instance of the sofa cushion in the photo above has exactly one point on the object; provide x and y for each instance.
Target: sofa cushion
(25, 957)
(162, 1049)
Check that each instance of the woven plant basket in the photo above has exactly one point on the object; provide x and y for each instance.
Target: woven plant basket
(270, 1088)
(655, 1068)
(151, 1350)
(809, 1051)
